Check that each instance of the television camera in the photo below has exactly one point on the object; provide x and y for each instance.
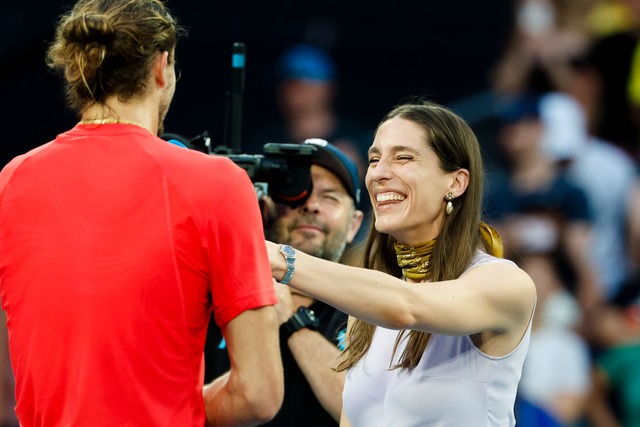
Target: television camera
(281, 172)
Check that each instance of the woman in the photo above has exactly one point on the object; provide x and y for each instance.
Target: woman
(445, 353)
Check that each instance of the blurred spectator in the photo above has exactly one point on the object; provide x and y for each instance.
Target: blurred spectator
(555, 378)
(615, 396)
(610, 76)
(306, 93)
(546, 35)
(548, 47)
(537, 209)
(607, 175)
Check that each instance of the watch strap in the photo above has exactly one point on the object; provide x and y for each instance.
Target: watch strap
(289, 255)
(303, 318)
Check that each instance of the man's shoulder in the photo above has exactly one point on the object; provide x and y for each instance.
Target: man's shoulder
(8, 170)
(196, 170)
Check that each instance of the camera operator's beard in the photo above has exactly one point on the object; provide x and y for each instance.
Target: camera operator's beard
(330, 248)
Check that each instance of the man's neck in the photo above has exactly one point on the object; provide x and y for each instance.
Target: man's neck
(139, 111)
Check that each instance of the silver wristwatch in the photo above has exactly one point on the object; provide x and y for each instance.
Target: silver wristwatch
(289, 255)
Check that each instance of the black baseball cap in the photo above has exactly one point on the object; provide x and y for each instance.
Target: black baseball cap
(331, 158)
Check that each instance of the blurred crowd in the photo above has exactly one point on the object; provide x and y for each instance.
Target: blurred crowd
(565, 199)
(564, 194)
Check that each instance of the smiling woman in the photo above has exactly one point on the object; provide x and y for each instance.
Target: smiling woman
(436, 311)
(399, 150)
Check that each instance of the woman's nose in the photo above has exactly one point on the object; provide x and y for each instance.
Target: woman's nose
(378, 170)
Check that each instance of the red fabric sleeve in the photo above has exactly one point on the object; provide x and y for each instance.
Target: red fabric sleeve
(238, 262)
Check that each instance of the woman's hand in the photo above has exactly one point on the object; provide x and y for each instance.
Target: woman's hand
(276, 260)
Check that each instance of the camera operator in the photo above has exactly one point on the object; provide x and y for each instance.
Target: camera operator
(310, 330)
(115, 246)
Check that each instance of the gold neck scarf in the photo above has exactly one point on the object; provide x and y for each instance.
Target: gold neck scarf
(414, 259)
(492, 239)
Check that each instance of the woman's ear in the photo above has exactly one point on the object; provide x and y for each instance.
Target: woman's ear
(460, 182)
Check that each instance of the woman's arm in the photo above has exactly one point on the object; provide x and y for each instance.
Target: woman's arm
(495, 297)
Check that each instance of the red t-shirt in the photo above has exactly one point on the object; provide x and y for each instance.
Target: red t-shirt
(114, 247)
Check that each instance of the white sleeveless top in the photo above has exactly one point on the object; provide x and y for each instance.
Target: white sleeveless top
(454, 384)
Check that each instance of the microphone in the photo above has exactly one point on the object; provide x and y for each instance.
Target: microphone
(238, 59)
(238, 62)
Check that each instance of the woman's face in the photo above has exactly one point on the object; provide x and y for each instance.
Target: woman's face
(406, 184)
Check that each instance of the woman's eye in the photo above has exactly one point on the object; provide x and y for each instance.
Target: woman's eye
(405, 158)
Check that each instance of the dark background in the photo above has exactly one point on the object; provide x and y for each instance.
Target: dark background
(385, 52)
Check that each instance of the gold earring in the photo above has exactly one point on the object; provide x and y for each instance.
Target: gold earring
(449, 197)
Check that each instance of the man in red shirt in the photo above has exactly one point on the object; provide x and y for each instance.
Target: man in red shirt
(115, 247)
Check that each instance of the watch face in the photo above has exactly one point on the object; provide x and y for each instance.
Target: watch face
(288, 251)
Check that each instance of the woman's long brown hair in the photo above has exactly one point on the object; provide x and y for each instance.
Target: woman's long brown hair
(455, 144)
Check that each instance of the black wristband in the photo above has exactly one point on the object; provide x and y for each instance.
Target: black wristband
(302, 318)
